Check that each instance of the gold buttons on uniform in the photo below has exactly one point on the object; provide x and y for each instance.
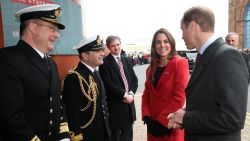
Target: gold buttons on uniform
(51, 111)
(50, 122)
(61, 118)
(50, 99)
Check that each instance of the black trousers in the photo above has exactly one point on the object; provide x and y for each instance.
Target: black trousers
(122, 134)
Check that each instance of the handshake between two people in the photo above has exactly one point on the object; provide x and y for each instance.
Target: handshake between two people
(175, 120)
(155, 128)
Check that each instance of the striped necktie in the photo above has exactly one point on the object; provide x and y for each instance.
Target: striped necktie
(125, 82)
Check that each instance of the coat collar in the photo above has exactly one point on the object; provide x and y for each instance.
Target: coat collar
(205, 60)
(34, 57)
(83, 69)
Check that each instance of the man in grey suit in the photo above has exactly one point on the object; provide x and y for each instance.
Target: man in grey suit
(232, 39)
(121, 84)
(217, 90)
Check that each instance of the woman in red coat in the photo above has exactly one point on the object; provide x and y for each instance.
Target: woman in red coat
(164, 93)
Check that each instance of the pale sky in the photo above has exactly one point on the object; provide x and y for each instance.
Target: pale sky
(135, 21)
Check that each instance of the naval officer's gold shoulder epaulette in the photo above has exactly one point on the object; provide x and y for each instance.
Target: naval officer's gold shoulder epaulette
(72, 70)
(69, 72)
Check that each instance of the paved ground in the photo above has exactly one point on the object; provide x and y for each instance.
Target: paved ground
(245, 134)
(140, 129)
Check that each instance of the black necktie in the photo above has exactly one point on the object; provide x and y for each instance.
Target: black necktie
(46, 61)
(97, 75)
(197, 60)
(99, 81)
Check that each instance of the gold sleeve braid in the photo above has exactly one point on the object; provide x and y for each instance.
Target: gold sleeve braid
(35, 138)
(91, 94)
(64, 127)
(74, 137)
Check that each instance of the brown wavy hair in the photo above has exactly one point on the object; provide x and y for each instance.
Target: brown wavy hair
(154, 56)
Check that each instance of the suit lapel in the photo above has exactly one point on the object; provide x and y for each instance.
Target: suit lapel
(53, 69)
(100, 84)
(169, 69)
(55, 83)
(204, 61)
(35, 58)
(84, 71)
(115, 66)
(125, 67)
(197, 71)
(41, 66)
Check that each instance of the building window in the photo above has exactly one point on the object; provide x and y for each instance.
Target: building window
(247, 27)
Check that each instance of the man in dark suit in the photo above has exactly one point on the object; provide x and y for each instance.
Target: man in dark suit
(217, 90)
(120, 84)
(232, 39)
(84, 94)
(30, 97)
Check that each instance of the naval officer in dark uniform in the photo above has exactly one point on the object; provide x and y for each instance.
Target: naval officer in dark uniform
(84, 95)
(30, 99)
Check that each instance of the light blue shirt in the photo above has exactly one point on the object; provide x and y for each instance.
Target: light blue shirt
(207, 43)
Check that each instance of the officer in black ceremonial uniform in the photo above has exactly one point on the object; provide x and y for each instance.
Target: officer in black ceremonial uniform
(84, 95)
(30, 92)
